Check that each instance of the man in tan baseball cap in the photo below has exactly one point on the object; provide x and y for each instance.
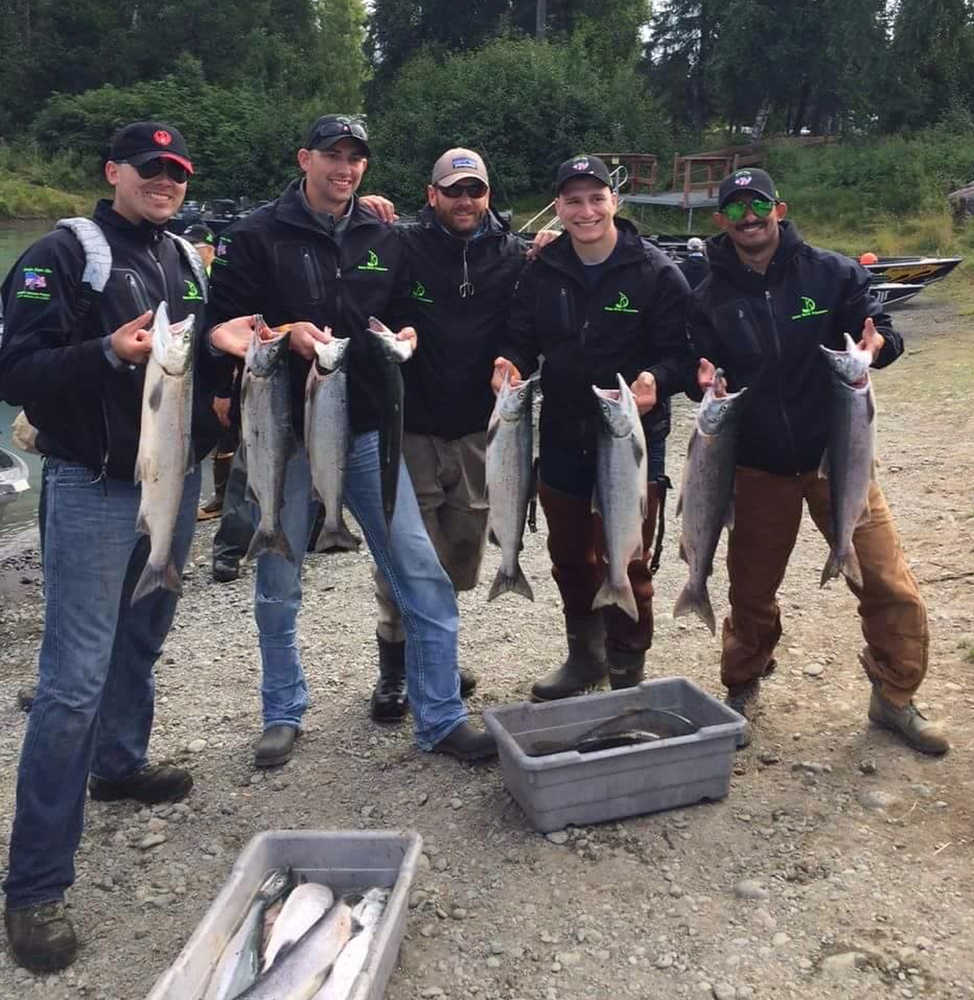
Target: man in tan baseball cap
(459, 191)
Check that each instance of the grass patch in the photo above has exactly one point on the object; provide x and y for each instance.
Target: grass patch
(24, 199)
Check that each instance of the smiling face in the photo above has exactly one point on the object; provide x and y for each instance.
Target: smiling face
(587, 209)
(460, 215)
(753, 236)
(154, 200)
(332, 176)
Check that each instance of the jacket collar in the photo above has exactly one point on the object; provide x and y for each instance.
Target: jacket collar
(292, 209)
(492, 225)
(725, 261)
(143, 232)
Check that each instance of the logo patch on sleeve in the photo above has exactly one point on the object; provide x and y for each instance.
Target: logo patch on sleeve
(36, 284)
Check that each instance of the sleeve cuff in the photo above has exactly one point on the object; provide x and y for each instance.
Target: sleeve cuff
(110, 356)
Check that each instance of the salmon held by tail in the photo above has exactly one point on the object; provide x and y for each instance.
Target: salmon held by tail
(265, 416)
(326, 438)
(707, 495)
(621, 489)
(392, 352)
(165, 447)
(510, 480)
(849, 457)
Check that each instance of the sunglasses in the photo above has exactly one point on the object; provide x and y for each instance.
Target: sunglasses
(736, 210)
(153, 168)
(476, 190)
(339, 126)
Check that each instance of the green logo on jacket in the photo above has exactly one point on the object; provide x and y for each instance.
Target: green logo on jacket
(373, 263)
(192, 292)
(808, 309)
(418, 293)
(621, 305)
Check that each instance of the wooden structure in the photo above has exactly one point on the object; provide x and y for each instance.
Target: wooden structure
(641, 169)
(703, 172)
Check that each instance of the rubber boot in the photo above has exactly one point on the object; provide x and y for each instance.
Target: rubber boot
(627, 667)
(221, 473)
(388, 703)
(585, 667)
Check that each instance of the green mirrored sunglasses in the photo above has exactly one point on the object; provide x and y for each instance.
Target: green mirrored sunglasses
(736, 210)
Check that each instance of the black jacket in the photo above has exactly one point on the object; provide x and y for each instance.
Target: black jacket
(280, 262)
(84, 409)
(632, 321)
(448, 379)
(764, 330)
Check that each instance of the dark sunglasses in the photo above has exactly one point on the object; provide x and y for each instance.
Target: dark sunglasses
(153, 168)
(736, 210)
(339, 126)
(476, 190)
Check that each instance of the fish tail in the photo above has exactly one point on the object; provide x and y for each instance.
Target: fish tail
(622, 597)
(337, 538)
(270, 541)
(157, 577)
(851, 570)
(516, 582)
(696, 601)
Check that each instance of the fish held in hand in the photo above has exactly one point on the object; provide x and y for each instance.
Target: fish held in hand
(621, 492)
(510, 480)
(267, 434)
(849, 459)
(165, 452)
(706, 502)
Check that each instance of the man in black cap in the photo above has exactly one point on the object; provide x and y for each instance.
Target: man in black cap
(317, 260)
(770, 303)
(595, 302)
(79, 305)
(462, 263)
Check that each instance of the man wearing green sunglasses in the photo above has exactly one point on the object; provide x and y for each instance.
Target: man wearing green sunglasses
(770, 303)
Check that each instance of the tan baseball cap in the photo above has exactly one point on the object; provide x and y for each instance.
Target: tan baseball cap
(456, 164)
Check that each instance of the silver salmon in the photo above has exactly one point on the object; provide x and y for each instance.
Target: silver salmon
(265, 413)
(326, 437)
(392, 353)
(706, 501)
(165, 447)
(849, 459)
(510, 481)
(366, 915)
(306, 905)
(621, 489)
(301, 972)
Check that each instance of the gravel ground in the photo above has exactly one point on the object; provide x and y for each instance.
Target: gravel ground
(838, 866)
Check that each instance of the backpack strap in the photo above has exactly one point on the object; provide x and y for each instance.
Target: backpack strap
(98, 266)
(195, 262)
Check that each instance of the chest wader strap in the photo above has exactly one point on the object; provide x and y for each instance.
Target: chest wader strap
(662, 484)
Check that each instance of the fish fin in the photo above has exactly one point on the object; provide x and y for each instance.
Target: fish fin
(683, 550)
(156, 578)
(729, 515)
(697, 602)
(595, 504)
(847, 567)
(643, 508)
(270, 541)
(823, 465)
(621, 597)
(870, 406)
(679, 504)
(492, 538)
(518, 583)
(141, 523)
(341, 539)
(190, 460)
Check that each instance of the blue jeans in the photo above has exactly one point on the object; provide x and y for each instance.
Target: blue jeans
(95, 693)
(421, 589)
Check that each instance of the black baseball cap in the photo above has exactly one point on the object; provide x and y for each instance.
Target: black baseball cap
(140, 142)
(746, 179)
(582, 165)
(198, 233)
(329, 129)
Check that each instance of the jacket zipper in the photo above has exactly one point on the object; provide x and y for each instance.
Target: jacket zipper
(781, 398)
(309, 273)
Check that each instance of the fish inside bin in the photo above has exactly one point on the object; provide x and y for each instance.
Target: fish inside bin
(629, 728)
(298, 938)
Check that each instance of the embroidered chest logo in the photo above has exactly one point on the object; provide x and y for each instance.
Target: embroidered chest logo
(419, 293)
(192, 292)
(808, 309)
(621, 305)
(372, 263)
(35, 284)
(222, 249)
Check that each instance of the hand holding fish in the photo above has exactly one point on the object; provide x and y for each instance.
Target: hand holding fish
(872, 339)
(644, 391)
(132, 342)
(233, 336)
(383, 209)
(705, 374)
(409, 333)
(304, 336)
(501, 367)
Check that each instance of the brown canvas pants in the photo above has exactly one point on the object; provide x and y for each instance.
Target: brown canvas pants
(450, 480)
(767, 514)
(578, 561)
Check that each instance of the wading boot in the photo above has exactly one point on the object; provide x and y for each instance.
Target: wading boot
(221, 473)
(909, 723)
(627, 667)
(388, 703)
(585, 667)
(41, 936)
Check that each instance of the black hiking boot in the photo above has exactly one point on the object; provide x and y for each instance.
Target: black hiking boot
(41, 936)
(389, 702)
(152, 784)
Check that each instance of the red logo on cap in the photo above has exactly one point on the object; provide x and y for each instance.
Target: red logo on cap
(161, 137)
